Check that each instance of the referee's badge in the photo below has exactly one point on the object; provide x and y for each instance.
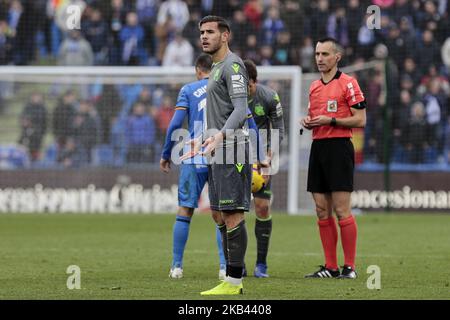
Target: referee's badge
(332, 106)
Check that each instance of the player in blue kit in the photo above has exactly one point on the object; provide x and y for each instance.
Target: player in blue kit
(193, 172)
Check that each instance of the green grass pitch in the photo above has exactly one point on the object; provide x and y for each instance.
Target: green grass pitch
(128, 257)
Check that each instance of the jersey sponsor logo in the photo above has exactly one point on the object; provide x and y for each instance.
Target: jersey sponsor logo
(238, 83)
(332, 106)
(239, 167)
(259, 110)
(226, 201)
(235, 67)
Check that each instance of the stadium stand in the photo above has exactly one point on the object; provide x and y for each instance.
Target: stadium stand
(150, 32)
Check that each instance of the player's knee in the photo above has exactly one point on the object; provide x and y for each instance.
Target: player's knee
(342, 212)
(322, 212)
(185, 212)
(262, 211)
(217, 217)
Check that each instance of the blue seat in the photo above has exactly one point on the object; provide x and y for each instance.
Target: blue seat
(102, 155)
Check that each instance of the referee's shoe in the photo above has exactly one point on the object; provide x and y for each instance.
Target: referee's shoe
(324, 272)
(348, 273)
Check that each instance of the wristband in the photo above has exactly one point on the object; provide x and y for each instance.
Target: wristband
(333, 122)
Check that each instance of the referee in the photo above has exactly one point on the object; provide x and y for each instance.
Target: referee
(336, 105)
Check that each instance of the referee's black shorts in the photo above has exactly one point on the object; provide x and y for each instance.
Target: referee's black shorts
(331, 165)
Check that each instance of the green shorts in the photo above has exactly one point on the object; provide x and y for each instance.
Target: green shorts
(229, 186)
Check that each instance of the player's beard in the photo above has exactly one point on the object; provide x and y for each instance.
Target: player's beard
(214, 49)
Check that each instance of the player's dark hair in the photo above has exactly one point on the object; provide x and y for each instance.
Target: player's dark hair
(251, 69)
(204, 62)
(336, 44)
(221, 22)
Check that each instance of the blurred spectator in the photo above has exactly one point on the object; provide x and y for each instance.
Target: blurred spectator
(163, 116)
(164, 33)
(266, 53)
(63, 116)
(179, 52)
(292, 16)
(33, 123)
(307, 61)
(400, 114)
(432, 73)
(284, 53)
(95, 30)
(431, 20)
(176, 10)
(191, 33)
(14, 13)
(354, 15)
(410, 69)
(6, 43)
(254, 12)
(86, 129)
(132, 42)
(415, 133)
(435, 113)
(252, 50)
(402, 8)
(23, 19)
(108, 107)
(140, 133)
(319, 14)
(337, 26)
(272, 26)
(147, 11)
(366, 40)
(145, 97)
(116, 17)
(428, 52)
(75, 51)
(397, 44)
(70, 154)
(240, 29)
(407, 34)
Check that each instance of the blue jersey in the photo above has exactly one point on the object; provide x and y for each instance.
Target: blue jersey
(192, 98)
(191, 102)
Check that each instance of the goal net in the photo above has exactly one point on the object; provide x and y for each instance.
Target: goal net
(76, 119)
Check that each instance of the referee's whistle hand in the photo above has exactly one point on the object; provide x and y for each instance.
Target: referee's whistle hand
(319, 121)
(305, 122)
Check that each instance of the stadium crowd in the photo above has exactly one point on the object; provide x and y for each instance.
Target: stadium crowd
(270, 32)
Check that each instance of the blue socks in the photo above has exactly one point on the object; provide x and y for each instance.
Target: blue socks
(180, 236)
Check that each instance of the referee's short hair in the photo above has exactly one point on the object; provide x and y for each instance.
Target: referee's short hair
(251, 69)
(336, 44)
(204, 62)
(221, 22)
